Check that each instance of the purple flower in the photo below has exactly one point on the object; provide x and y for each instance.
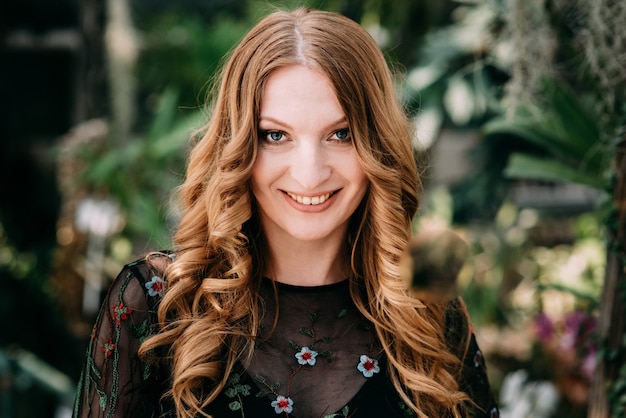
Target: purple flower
(282, 404)
(368, 366)
(589, 363)
(544, 327)
(156, 286)
(578, 326)
(306, 356)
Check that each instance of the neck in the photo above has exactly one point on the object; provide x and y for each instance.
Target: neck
(307, 263)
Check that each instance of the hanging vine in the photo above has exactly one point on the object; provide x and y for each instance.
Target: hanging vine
(604, 42)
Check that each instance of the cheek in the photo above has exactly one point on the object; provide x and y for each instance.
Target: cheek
(263, 170)
(360, 182)
(357, 174)
(363, 188)
(256, 178)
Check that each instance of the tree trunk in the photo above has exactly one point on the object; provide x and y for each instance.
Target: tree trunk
(122, 54)
(612, 321)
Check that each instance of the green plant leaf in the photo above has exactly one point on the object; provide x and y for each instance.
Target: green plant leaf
(560, 125)
(526, 166)
(177, 137)
(165, 113)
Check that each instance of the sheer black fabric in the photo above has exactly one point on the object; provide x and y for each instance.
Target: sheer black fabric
(315, 349)
(114, 381)
(320, 358)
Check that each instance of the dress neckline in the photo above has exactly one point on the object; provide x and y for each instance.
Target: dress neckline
(315, 350)
(287, 287)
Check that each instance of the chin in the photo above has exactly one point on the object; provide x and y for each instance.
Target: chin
(314, 236)
(311, 234)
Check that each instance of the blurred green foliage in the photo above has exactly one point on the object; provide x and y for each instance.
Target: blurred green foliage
(460, 68)
(180, 52)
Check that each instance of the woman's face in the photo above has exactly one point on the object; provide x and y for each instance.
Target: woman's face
(306, 179)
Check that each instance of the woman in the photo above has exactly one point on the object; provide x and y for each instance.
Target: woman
(285, 296)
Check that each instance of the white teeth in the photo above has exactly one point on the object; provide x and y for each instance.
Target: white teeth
(308, 200)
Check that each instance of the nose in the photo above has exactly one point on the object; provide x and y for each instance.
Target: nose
(310, 166)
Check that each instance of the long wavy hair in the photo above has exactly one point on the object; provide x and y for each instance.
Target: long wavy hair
(210, 313)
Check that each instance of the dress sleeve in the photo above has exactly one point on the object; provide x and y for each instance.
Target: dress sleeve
(474, 379)
(114, 381)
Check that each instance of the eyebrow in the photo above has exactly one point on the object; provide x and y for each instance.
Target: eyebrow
(340, 121)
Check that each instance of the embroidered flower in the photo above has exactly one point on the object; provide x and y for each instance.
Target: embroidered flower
(156, 286)
(121, 312)
(282, 404)
(368, 366)
(478, 359)
(306, 356)
(108, 348)
(94, 330)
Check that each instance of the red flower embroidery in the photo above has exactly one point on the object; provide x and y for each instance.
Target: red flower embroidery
(108, 348)
(282, 404)
(478, 359)
(368, 366)
(120, 313)
(306, 356)
(93, 332)
(156, 286)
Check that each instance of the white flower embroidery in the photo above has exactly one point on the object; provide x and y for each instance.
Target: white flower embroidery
(306, 356)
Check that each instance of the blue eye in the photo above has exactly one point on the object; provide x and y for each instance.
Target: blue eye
(274, 136)
(342, 134)
(271, 136)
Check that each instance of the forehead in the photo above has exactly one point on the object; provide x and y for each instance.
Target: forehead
(298, 90)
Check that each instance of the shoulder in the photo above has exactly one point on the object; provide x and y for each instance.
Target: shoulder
(474, 379)
(458, 326)
(150, 267)
(141, 281)
(457, 315)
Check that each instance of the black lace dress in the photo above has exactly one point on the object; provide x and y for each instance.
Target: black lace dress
(321, 360)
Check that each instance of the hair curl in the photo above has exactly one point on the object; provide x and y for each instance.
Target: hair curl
(210, 311)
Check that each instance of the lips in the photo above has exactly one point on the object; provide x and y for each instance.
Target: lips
(310, 200)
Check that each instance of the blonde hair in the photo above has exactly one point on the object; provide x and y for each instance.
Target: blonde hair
(210, 311)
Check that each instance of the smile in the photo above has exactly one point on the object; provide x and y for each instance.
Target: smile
(309, 200)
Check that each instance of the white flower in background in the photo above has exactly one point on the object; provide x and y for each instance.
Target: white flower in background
(523, 398)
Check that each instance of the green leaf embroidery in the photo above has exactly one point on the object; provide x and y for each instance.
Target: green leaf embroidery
(408, 412)
(344, 413)
(102, 399)
(235, 391)
(233, 379)
(147, 371)
(306, 331)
